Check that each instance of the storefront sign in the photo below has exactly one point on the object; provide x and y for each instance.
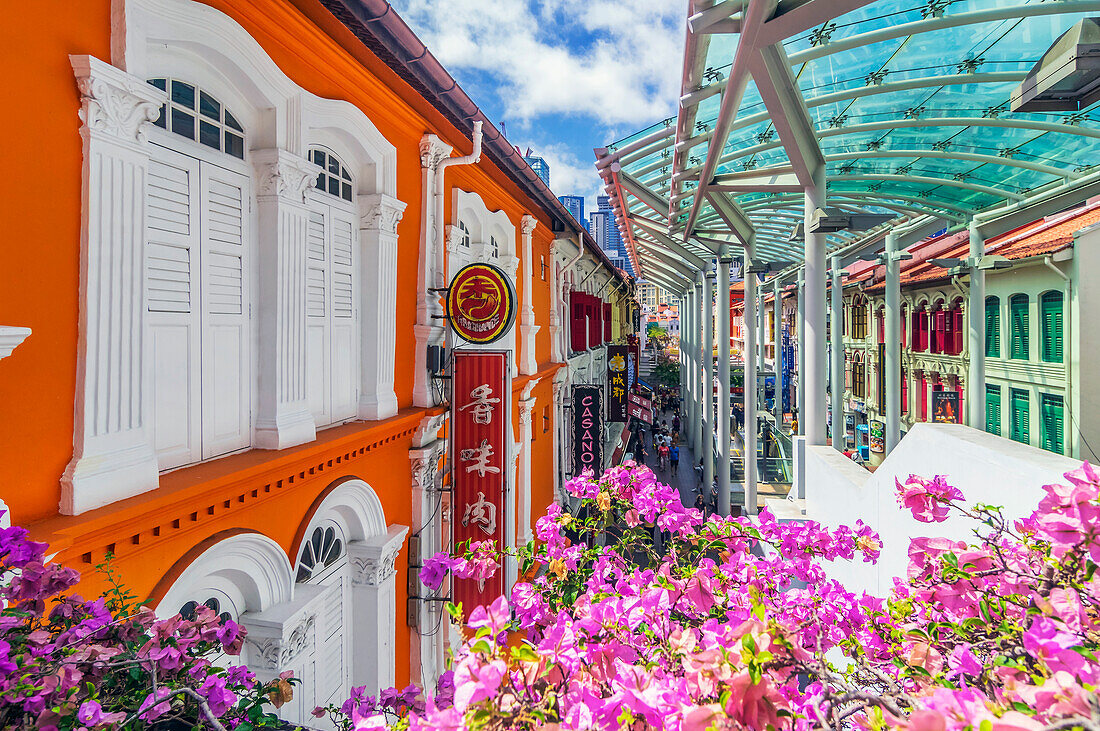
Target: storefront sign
(479, 453)
(945, 407)
(587, 429)
(617, 386)
(640, 401)
(481, 303)
(878, 436)
(640, 412)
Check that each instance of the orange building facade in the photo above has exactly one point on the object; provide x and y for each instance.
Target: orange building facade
(230, 269)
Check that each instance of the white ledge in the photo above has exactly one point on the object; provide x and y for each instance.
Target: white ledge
(11, 337)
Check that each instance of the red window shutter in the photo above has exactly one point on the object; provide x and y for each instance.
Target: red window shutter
(923, 399)
(902, 329)
(958, 317)
(882, 327)
(924, 330)
(578, 334)
(939, 333)
(607, 322)
(904, 393)
(594, 327)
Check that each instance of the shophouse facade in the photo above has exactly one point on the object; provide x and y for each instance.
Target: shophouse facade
(1031, 373)
(230, 384)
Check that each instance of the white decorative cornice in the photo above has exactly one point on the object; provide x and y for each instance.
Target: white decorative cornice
(381, 212)
(374, 560)
(452, 238)
(432, 150)
(527, 224)
(284, 175)
(11, 338)
(113, 102)
(275, 653)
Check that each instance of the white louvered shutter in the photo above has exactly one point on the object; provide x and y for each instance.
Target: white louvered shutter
(332, 685)
(226, 363)
(317, 325)
(172, 271)
(344, 349)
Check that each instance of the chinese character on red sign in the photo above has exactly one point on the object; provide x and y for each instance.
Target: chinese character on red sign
(479, 419)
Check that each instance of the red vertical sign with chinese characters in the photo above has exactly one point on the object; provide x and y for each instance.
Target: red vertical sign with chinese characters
(479, 459)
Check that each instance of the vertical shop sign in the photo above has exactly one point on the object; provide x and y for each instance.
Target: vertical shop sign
(617, 386)
(587, 429)
(479, 419)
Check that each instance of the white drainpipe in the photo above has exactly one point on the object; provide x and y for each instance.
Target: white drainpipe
(440, 207)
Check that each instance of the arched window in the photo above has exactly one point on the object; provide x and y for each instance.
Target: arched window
(465, 234)
(334, 178)
(494, 246)
(188, 610)
(1050, 319)
(993, 329)
(1018, 321)
(323, 549)
(192, 113)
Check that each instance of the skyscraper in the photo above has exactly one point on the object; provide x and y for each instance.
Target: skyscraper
(575, 205)
(605, 230)
(540, 166)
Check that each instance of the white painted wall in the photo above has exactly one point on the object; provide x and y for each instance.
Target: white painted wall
(986, 468)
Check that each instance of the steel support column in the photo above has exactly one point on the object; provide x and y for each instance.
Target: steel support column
(893, 342)
(706, 449)
(815, 316)
(687, 388)
(748, 355)
(697, 348)
(801, 335)
(975, 315)
(722, 309)
(836, 354)
(777, 337)
(762, 329)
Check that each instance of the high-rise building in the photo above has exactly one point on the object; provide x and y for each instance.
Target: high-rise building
(575, 205)
(605, 230)
(540, 166)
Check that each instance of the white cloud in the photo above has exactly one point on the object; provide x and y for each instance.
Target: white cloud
(629, 73)
(569, 174)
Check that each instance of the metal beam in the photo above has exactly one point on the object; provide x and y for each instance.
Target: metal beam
(756, 13)
(731, 213)
(778, 89)
(995, 192)
(995, 222)
(947, 21)
(668, 242)
(642, 193)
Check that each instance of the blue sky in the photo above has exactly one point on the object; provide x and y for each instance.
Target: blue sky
(564, 76)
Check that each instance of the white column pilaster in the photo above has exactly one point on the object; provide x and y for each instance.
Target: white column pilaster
(428, 331)
(893, 344)
(528, 362)
(748, 355)
(975, 312)
(706, 449)
(697, 417)
(723, 310)
(283, 417)
(374, 608)
(113, 452)
(801, 379)
(814, 416)
(836, 352)
(777, 338)
(381, 214)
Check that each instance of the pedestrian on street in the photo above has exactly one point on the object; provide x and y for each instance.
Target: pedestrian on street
(699, 471)
(674, 457)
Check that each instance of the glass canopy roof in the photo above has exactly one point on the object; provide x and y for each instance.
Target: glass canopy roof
(903, 105)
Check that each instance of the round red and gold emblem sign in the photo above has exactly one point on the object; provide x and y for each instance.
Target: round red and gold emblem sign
(481, 304)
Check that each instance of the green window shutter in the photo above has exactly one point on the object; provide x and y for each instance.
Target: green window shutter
(992, 327)
(1017, 308)
(1050, 315)
(993, 410)
(1052, 412)
(1020, 408)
